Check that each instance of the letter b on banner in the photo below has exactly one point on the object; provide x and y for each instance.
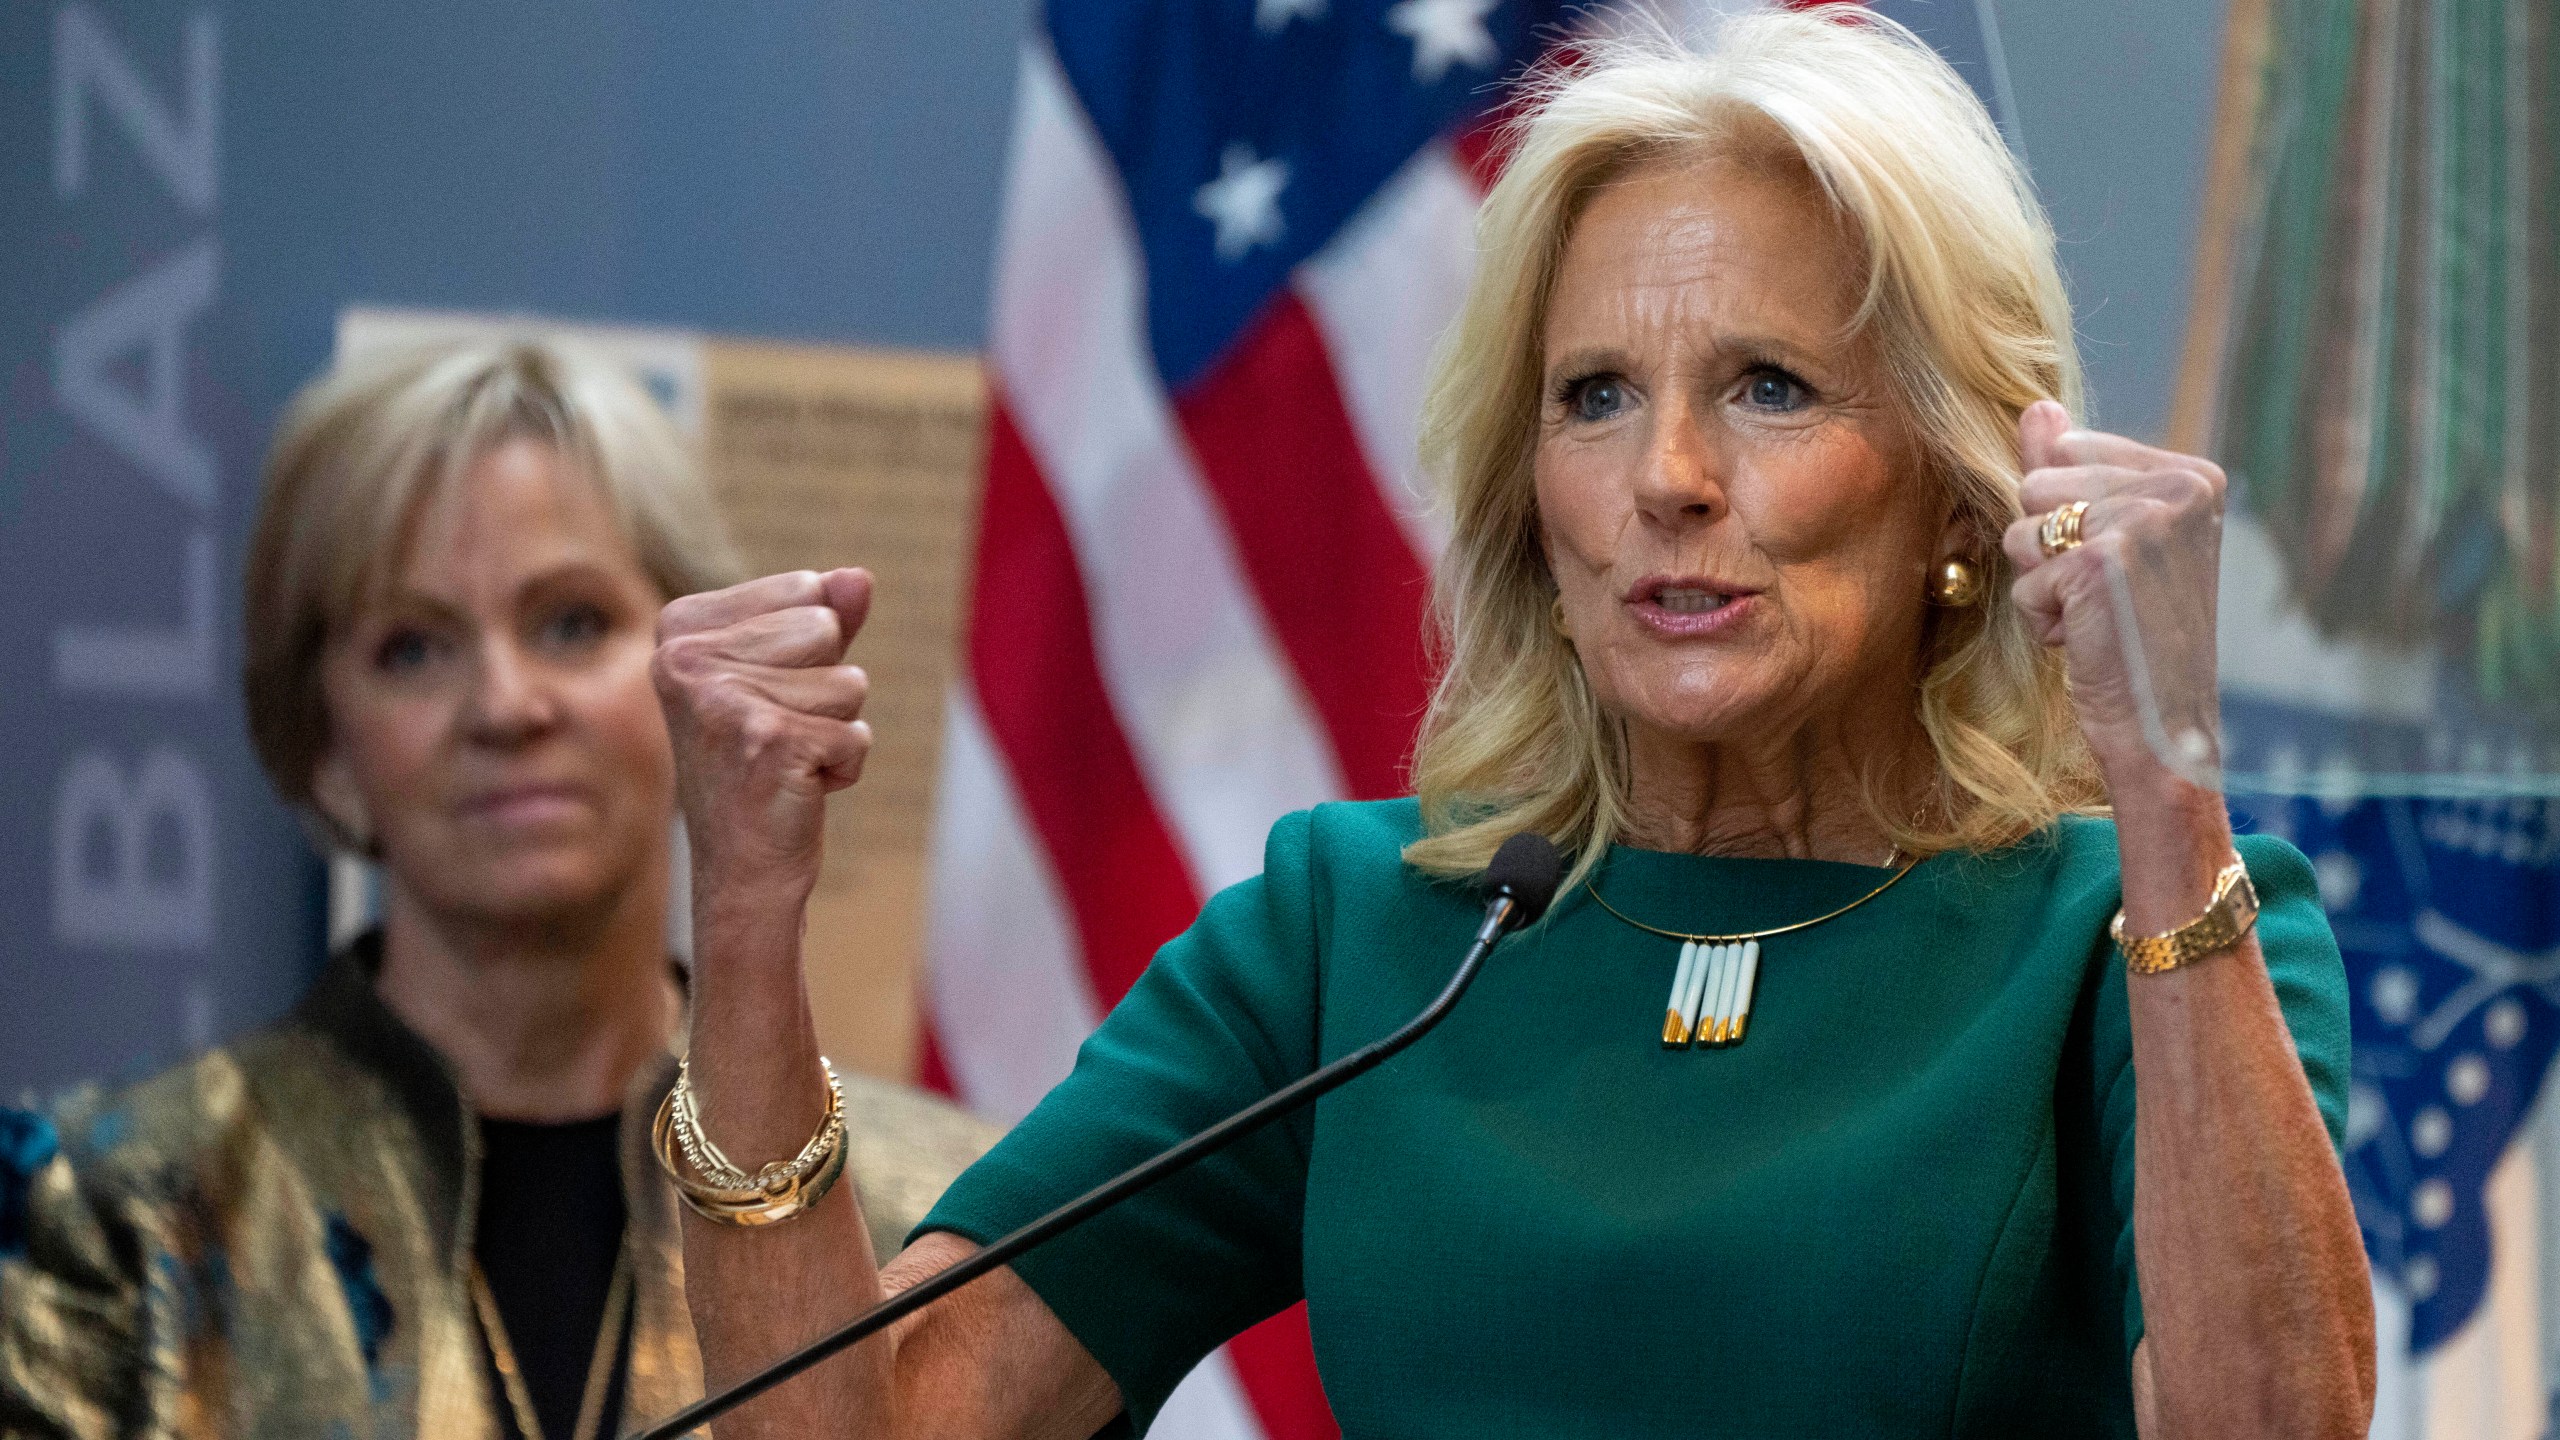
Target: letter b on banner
(133, 858)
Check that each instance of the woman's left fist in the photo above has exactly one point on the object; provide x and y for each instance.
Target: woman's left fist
(2119, 555)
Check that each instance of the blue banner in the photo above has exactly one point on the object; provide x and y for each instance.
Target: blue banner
(162, 895)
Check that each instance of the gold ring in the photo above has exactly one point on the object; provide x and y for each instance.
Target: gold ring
(2061, 529)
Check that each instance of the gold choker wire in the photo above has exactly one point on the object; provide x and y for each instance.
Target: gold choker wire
(1712, 986)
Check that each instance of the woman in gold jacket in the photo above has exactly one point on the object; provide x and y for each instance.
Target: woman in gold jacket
(423, 1203)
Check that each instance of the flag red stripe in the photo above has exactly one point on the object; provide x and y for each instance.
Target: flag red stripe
(1276, 1365)
(1337, 579)
(1032, 662)
(933, 1071)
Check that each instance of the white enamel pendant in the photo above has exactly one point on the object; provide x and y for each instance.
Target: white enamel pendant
(1711, 991)
(1680, 1012)
(1749, 965)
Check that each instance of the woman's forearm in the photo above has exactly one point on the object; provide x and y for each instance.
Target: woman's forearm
(762, 711)
(2257, 1310)
(990, 1360)
(757, 1293)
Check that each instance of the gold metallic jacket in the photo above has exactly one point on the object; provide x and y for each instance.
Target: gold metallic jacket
(271, 1241)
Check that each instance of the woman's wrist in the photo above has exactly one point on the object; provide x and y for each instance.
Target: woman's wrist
(2173, 837)
(748, 929)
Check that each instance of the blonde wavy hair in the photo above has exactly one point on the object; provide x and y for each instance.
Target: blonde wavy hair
(1965, 301)
(365, 448)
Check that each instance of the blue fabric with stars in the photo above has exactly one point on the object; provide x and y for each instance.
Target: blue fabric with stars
(2449, 920)
(1300, 109)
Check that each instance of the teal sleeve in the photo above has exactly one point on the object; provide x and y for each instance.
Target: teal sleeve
(2311, 988)
(1225, 1014)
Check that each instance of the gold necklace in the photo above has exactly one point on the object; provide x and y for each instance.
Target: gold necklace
(617, 1300)
(1711, 988)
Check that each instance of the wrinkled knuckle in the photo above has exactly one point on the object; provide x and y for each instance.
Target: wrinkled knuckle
(805, 625)
(849, 759)
(690, 654)
(2140, 512)
(730, 692)
(724, 714)
(679, 664)
(761, 730)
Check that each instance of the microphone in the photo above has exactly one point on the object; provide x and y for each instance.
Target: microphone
(1518, 885)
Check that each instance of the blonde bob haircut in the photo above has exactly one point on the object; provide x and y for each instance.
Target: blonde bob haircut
(1965, 302)
(365, 449)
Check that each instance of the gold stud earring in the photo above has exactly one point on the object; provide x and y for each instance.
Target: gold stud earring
(1555, 617)
(1955, 584)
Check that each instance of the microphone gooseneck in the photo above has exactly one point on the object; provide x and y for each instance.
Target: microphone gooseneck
(1518, 886)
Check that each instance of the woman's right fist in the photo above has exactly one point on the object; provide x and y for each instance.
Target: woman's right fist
(765, 720)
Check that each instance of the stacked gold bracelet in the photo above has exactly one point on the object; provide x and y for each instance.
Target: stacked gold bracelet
(716, 1189)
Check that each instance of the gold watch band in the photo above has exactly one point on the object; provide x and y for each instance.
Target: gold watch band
(2231, 915)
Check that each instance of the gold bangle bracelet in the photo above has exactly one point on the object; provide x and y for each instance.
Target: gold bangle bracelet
(714, 1166)
(786, 1197)
(778, 1192)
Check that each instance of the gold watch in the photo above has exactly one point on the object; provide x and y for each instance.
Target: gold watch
(2231, 915)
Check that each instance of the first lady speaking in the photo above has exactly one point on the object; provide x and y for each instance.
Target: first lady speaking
(1912, 1050)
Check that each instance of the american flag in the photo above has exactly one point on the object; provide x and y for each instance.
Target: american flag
(1231, 233)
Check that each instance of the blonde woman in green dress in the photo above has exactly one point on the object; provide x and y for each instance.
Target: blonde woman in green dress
(1823, 1102)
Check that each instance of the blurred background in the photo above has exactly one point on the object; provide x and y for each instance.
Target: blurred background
(907, 279)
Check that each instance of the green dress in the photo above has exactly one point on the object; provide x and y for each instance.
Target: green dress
(1900, 1207)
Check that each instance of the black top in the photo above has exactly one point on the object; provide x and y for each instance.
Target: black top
(551, 1213)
